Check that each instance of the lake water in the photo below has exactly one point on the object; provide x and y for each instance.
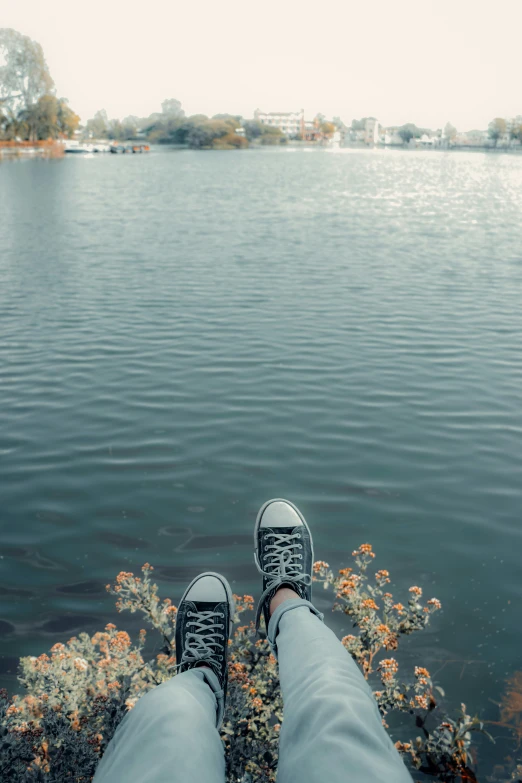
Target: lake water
(186, 334)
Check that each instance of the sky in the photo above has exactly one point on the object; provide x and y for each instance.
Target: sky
(422, 61)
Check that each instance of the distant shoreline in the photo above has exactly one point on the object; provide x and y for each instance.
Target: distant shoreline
(27, 150)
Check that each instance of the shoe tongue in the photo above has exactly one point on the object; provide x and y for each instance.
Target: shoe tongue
(286, 531)
(204, 606)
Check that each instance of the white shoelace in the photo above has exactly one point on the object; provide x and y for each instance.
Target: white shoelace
(282, 565)
(205, 643)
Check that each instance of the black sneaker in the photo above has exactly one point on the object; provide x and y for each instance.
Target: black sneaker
(203, 626)
(284, 553)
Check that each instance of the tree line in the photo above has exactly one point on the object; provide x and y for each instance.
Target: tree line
(29, 108)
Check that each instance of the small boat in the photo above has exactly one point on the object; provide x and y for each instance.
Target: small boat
(121, 149)
(74, 147)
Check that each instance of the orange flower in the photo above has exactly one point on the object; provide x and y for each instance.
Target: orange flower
(364, 549)
(416, 591)
(319, 566)
(369, 603)
(389, 664)
(123, 576)
(120, 642)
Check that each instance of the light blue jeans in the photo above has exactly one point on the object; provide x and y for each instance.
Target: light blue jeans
(332, 731)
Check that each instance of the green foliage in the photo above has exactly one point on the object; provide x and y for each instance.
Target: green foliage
(516, 130)
(450, 131)
(29, 110)
(76, 696)
(265, 134)
(328, 128)
(98, 126)
(497, 128)
(24, 75)
(410, 131)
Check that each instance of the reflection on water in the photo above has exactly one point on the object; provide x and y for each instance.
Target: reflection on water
(185, 335)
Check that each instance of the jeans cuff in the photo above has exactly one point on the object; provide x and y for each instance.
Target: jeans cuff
(287, 606)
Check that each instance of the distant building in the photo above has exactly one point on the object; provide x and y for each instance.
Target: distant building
(390, 137)
(371, 131)
(291, 123)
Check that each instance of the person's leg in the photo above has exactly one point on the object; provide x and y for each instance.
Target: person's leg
(332, 730)
(172, 734)
(169, 736)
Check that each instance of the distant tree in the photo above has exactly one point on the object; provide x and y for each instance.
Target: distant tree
(272, 136)
(328, 128)
(450, 131)
(48, 118)
(496, 129)
(98, 126)
(266, 134)
(339, 124)
(24, 75)
(253, 129)
(171, 107)
(68, 120)
(130, 126)
(204, 134)
(236, 119)
(115, 130)
(515, 130)
(409, 131)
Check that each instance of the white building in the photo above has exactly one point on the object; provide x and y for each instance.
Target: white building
(371, 131)
(291, 123)
(390, 137)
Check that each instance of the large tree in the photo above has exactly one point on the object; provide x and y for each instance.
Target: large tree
(496, 129)
(24, 75)
(48, 118)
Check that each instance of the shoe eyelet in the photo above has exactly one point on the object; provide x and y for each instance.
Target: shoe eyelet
(300, 557)
(189, 614)
(299, 546)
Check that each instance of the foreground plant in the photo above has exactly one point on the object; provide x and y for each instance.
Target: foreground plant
(77, 695)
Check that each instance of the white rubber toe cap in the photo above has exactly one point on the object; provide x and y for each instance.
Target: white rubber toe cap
(279, 513)
(207, 588)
